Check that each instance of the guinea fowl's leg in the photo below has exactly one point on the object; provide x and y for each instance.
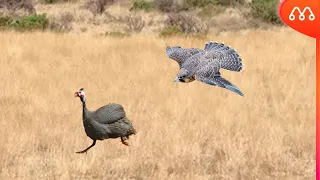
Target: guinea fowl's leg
(85, 151)
(123, 142)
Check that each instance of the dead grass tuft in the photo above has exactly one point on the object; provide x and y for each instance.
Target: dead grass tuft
(134, 23)
(63, 23)
(97, 6)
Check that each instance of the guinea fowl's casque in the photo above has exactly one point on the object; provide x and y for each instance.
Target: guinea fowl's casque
(204, 64)
(109, 121)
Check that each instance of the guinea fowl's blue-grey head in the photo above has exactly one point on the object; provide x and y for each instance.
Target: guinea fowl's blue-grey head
(81, 94)
(173, 52)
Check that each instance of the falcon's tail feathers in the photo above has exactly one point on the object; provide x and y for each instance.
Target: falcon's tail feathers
(231, 59)
(232, 64)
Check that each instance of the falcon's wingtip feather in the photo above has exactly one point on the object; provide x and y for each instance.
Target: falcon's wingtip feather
(235, 89)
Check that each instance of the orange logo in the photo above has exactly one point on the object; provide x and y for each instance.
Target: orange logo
(302, 15)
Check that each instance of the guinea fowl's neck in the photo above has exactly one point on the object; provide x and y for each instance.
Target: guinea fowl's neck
(84, 110)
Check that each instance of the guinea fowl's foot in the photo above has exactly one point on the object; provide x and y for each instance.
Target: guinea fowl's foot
(125, 143)
(80, 152)
(85, 151)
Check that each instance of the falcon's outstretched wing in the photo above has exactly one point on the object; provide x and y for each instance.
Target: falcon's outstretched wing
(180, 55)
(209, 75)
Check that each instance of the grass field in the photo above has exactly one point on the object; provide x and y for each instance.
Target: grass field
(185, 131)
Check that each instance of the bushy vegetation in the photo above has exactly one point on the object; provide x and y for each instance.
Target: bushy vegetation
(183, 16)
(204, 3)
(161, 5)
(4, 21)
(14, 6)
(142, 5)
(168, 6)
(97, 6)
(184, 23)
(48, 1)
(25, 23)
(199, 3)
(21, 15)
(170, 30)
(56, 1)
(266, 10)
(134, 24)
(63, 23)
(211, 10)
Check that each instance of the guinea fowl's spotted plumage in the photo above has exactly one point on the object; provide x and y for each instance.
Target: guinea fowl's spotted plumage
(204, 65)
(109, 121)
(109, 113)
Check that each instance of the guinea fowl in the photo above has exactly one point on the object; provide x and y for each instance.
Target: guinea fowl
(109, 121)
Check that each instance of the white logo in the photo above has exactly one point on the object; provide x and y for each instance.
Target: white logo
(301, 16)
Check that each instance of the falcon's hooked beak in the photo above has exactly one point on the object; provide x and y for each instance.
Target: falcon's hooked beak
(176, 79)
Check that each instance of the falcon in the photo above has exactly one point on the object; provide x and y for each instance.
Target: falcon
(204, 64)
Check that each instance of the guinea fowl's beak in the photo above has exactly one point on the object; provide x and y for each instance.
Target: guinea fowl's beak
(176, 79)
(76, 94)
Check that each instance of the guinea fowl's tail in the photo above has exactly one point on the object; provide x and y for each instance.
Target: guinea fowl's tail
(130, 130)
(133, 130)
(229, 59)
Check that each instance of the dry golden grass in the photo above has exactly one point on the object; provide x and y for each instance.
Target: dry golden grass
(185, 131)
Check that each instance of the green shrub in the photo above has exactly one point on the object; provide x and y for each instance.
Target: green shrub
(171, 30)
(266, 10)
(205, 3)
(199, 3)
(230, 2)
(4, 21)
(49, 1)
(142, 5)
(25, 23)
